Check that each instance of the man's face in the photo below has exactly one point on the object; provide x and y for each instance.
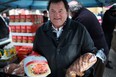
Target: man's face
(58, 14)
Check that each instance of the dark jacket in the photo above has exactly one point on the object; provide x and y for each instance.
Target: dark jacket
(109, 22)
(4, 30)
(89, 20)
(4, 33)
(61, 53)
(45, 19)
(108, 25)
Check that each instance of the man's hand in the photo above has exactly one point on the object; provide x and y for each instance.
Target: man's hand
(81, 65)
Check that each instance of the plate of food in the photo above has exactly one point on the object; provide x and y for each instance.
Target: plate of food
(36, 66)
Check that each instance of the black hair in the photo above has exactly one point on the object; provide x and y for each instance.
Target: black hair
(44, 11)
(56, 1)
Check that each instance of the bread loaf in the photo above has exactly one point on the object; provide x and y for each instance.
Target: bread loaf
(19, 71)
(82, 64)
(10, 68)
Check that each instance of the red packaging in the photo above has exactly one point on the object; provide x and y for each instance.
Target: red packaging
(22, 18)
(30, 39)
(18, 28)
(29, 29)
(17, 48)
(24, 50)
(17, 18)
(21, 57)
(25, 39)
(19, 39)
(23, 29)
(13, 28)
(39, 19)
(14, 38)
(12, 18)
(30, 18)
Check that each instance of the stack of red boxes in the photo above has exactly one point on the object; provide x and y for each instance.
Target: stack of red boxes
(36, 20)
(23, 39)
(21, 27)
(24, 51)
(22, 18)
(12, 18)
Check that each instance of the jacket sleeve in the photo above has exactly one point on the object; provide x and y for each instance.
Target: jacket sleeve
(36, 42)
(87, 43)
(88, 46)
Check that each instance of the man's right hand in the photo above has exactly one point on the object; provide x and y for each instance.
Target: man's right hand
(82, 64)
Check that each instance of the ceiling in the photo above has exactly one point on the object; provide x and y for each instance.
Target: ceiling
(41, 4)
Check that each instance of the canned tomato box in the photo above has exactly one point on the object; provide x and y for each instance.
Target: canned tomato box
(31, 18)
(30, 39)
(29, 29)
(12, 18)
(23, 29)
(17, 18)
(14, 38)
(22, 18)
(13, 28)
(18, 28)
(25, 39)
(19, 39)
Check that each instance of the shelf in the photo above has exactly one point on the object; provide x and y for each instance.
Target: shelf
(6, 58)
(21, 23)
(6, 41)
(22, 44)
(23, 34)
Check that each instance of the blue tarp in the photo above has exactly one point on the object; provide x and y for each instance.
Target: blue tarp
(41, 4)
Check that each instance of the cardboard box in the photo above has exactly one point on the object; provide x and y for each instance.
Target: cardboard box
(22, 18)
(13, 28)
(18, 28)
(31, 18)
(12, 18)
(19, 39)
(23, 29)
(17, 18)
(14, 38)
(25, 39)
(30, 39)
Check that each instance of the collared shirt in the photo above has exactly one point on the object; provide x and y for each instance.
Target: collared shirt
(58, 31)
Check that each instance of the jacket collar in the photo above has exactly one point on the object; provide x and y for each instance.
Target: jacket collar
(66, 30)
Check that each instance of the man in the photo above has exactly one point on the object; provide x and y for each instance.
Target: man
(6, 18)
(62, 40)
(89, 20)
(108, 25)
(45, 17)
